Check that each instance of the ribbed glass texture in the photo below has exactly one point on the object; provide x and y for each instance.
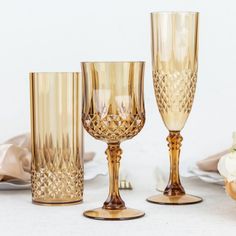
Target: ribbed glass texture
(57, 137)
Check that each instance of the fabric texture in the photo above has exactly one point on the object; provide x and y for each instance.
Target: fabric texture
(15, 158)
(210, 163)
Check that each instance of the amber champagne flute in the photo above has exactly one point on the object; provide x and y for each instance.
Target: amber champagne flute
(113, 111)
(174, 64)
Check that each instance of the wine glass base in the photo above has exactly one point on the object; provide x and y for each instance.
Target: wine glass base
(103, 214)
(174, 200)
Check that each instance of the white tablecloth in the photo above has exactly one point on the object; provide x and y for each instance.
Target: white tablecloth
(215, 216)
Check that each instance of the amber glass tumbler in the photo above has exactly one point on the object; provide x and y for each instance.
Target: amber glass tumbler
(57, 138)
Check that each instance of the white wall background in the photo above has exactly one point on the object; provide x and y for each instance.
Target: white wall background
(56, 35)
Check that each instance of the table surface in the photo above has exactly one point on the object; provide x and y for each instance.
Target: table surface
(215, 215)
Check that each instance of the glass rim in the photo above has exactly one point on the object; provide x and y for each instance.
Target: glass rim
(111, 62)
(51, 72)
(175, 12)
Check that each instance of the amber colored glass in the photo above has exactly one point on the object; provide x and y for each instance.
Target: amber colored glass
(174, 64)
(57, 138)
(230, 188)
(113, 111)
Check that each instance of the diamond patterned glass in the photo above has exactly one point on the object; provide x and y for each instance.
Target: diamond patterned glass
(113, 111)
(175, 65)
(57, 138)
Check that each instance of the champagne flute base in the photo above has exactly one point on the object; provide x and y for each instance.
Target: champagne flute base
(184, 199)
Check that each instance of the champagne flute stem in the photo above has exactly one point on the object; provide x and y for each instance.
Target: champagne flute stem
(174, 186)
(114, 201)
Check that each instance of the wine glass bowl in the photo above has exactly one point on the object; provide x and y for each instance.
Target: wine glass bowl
(113, 111)
(113, 128)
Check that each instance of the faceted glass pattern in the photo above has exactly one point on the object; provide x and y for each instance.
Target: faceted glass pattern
(57, 138)
(113, 111)
(174, 65)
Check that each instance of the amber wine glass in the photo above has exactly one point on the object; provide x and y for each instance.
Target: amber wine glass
(174, 64)
(113, 111)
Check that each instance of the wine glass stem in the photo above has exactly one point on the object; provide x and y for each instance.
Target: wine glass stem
(174, 186)
(114, 201)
